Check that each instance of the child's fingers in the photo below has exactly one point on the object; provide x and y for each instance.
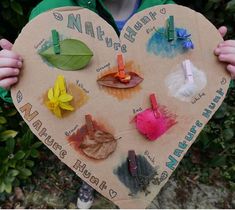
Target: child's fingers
(225, 50)
(9, 54)
(229, 58)
(8, 72)
(228, 43)
(231, 69)
(8, 82)
(223, 30)
(5, 44)
(9, 62)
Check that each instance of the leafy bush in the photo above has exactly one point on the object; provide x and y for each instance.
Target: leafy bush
(212, 156)
(18, 148)
(219, 12)
(14, 15)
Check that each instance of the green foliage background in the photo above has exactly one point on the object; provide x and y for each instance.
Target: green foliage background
(212, 157)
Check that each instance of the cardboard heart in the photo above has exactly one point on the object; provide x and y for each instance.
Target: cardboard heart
(97, 149)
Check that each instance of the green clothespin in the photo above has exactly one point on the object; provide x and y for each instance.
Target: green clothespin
(170, 28)
(56, 41)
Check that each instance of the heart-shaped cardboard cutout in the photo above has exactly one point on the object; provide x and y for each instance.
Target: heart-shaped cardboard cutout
(96, 146)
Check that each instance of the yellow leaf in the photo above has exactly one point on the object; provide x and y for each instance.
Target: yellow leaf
(58, 98)
(61, 83)
(57, 111)
(56, 89)
(65, 98)
(50, 105)
(66, 106)
(50, 94)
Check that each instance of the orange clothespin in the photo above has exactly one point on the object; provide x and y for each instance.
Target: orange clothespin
(121, 75)
(121, 66)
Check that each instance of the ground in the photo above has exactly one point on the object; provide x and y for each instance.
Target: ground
(54, 185)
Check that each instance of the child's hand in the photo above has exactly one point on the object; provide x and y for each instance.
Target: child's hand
(226, 52)
(10, 64)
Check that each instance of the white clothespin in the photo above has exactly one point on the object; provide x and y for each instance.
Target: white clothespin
(188, 71)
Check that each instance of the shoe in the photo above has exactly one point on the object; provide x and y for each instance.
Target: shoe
(85, 196)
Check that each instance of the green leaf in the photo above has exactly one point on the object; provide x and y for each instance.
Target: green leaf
(218, 161)
(19, 155)
(26, 139)
(9, 179)
(34, 153)
(12, 163)
(10, 145)
(25, 172)
(3, 154)
(74, 55)
(7, 134)
(228, 134)
(17, 7)
(13, 172)
(231, 6)
(37, 144)
(2, 120)
(8, 187)
(11, 113)
(2, 187)
(5, 3)
(221, 112)
(29, 163)
(204, 140)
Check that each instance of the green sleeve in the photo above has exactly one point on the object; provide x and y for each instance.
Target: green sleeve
(150, 3)
(170, 2)
(46, 5)
(5, 95)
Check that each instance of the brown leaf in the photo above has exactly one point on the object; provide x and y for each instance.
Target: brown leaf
(101, 151)
(102, 136)
(110, 80)
(100, 147)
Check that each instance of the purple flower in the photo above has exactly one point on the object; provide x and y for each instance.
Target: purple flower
(182, 33)
(188, 44)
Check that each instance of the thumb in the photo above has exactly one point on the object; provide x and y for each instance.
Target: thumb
(5, 44)
(223, 30)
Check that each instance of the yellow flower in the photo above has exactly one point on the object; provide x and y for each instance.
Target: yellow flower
(58, 98)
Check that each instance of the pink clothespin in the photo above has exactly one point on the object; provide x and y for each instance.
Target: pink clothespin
(188, 71)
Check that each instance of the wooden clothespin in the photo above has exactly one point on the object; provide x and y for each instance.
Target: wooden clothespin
(188, 71)
(56, 41)
(132, 163)
(154, 104)
(90, 126)
(170, 28)
(121, 75)
(121, 66)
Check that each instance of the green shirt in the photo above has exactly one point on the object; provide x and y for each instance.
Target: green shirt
(96, 6)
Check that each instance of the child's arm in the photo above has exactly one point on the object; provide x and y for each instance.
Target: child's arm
(226, 52)
(10, 64)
